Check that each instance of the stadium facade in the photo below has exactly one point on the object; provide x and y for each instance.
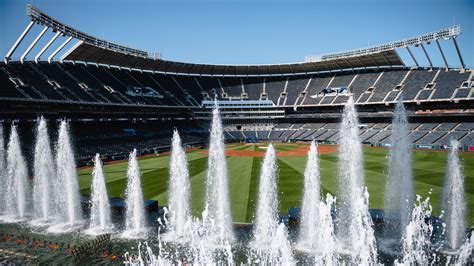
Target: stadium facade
(123, 97)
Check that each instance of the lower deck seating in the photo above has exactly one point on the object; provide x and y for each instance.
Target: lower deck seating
(420, 133)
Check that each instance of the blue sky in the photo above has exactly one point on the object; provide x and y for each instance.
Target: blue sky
(250, 32)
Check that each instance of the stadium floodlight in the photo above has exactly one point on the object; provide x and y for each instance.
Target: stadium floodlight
(154, 55)
(105, 53)
(39, 16)
(450, 32)
(312, 58)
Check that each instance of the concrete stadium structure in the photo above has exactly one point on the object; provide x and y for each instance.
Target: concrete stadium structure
(99, 84)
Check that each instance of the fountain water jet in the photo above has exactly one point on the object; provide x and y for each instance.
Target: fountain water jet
(44, 175)
(454, 204)
(270, 242)
(316, 235)
(188, 239)
(266, 221)
(66, 187)
(354, 224)
(217, 215)
(179, 191)
(3, 177)
(465, 251)
(399, 192)
(16, 180)
(311, 199)
(135, 220)
(417, 237)
(100, 220)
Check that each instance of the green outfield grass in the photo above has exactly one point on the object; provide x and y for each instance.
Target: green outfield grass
(429, 170)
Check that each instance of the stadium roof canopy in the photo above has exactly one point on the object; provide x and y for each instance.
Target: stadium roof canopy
(90, 53)
(90, 49)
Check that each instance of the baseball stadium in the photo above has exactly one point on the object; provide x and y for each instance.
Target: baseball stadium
(111, 154)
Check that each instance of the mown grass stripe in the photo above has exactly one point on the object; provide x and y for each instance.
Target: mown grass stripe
(116, 180)
(253, 189)
(299, 166)
(240, 174)
(428, 167)
(244, 148)
(195, 167)
(116, 171)
(290, 185)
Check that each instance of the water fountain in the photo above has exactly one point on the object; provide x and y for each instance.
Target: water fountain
(100, 217)
(270, 242)
(135, 222)
(417, 235)
(217, 215)
(399, 192)
(316, 234)
(2, 171)
(453, 202)
(65, 185)
(466, 251)
(16, 182)
(179, 191)
(188, 239)
(44, 174)
(354, 224)
(350, 239)
(311, 199)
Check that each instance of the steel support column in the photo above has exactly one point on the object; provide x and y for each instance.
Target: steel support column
(18, 41)
(459, 53)
(37, 57)
(426, 54)
(413, 57)
(442, 54)
(35, 41)
(66, 54)
(50, 58)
